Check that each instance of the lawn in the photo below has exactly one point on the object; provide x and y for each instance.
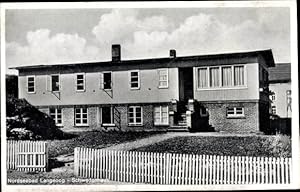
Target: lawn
(93, 139)
(275, 146)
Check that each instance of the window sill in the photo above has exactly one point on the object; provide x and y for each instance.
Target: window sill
(80, 91)
(108, 125)
(236, 117)
(134, 88)
(221, 88)
(82, 125)
(31, 92)
(163, 87)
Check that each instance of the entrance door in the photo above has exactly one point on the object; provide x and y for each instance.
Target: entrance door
(186, 85)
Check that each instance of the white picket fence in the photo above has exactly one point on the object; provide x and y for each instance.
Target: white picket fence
(181, 169)
(27, 155)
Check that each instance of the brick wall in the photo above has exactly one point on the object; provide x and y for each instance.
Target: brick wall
(219, 120)
(94, 119)
(148, 119)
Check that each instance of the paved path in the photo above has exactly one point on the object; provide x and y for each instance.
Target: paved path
(141, 142)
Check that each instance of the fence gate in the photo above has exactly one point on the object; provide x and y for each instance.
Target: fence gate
(27, 155)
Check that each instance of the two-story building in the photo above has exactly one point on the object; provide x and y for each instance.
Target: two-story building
(224, 92)
(281, 98)
(280, 86)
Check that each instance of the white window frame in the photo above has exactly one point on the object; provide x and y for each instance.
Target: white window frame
(244, 75)
(81, 116)
(76, 83)
(139, 79)
(160, 115)
(209, 87)
(273, 97)
(56, 115)
(59, 82)
(112, 120)
(235, 112)
(197, 79)
(134, 116)
(220, 76)
(34, 84)
(273, 110)
(167, 80)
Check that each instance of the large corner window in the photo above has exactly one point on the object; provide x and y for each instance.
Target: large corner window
(81, 116)
(80, 82)
(134, 79)
(202, 78)
(214, 76)
(163, 79)
(239, 75)
(135, 114)
(55, 83)
(161, 115)
(235, 112)
(31, 84)
(107, 115)
(56, 115)
(226, 76)
(221, 77)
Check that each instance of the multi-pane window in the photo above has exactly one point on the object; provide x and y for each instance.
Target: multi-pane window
(273, 97)
(81, 116)
(134, 79)
(221, 76)
(163, 78)
(107, 82)
(226, 76)
(80, 82)
(55, 83)
(273, 108)
(202, 78)
(31, 84)
(161, 115)
(107, 115)
(135, 115)
(56, 115)
(238, 75)
(235, 112)
(214, 76)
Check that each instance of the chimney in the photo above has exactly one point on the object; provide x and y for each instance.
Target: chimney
(116, 52)
(172, 53)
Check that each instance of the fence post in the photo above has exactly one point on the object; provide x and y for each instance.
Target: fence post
(76, 172)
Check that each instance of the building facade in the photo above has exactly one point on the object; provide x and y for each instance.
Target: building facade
(223, 92)
(280, 86)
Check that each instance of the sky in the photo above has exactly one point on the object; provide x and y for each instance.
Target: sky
(56, 36)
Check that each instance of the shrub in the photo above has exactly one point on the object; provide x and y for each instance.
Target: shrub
(31, 123)
(279, 145)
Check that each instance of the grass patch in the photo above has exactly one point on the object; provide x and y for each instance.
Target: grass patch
(93, 139)
(266, 146)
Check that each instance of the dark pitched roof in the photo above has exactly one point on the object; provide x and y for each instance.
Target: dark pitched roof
(266, 54)
(280, 73)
